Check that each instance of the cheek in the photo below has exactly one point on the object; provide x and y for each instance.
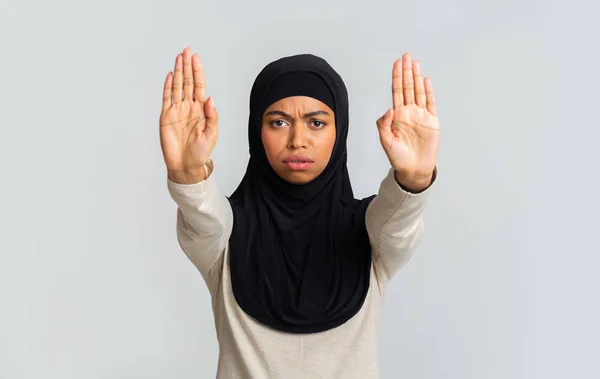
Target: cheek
(326, 144)
(271, 142)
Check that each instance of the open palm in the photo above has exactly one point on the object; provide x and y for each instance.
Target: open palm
(188, 122)
(410, 131)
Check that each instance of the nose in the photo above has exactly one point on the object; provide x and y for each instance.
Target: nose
(297, 137)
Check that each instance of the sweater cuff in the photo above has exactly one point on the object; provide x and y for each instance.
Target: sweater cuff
(182, 191)
(407, 192)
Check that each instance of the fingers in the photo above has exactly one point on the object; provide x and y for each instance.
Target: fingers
(167, 92)
(419, 85)
(212, 117)
(408, 84)
(199, 84)
(397, 95)
(188, 81)
(430, 97)
(178, 81)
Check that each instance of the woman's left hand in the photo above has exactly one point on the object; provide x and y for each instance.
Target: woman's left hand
(410, 131)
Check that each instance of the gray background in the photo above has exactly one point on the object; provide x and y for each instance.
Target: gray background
(93, 283)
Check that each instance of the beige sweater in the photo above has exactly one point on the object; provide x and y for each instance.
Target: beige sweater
(248, 349)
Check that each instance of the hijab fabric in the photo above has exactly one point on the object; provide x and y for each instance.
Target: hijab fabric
(300, 256)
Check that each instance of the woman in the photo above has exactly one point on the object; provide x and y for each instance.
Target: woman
(296, 267)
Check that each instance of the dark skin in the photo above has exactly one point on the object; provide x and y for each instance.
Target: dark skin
(409, 132)
(298, 125)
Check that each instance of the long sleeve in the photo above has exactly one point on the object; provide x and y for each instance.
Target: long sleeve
(394, 223)
(204, 223)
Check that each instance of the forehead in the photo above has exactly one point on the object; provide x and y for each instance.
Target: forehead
(299, 103)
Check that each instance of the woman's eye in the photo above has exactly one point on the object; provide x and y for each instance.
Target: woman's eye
(319, 122)
(275, 123)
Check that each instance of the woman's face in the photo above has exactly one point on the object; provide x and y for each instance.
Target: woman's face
(298, 134)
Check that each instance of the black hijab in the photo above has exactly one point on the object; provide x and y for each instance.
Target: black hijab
(300, 256)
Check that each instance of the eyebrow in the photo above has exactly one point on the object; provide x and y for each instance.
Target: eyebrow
(307, 115)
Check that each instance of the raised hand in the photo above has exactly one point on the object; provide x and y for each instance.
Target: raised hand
(410, 131)
(188, 121)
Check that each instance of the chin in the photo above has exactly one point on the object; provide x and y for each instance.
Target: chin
(298, 177)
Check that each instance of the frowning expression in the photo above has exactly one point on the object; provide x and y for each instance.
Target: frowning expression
(298, 135)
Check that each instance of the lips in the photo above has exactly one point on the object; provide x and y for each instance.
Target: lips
(298, 162)
(298, 159)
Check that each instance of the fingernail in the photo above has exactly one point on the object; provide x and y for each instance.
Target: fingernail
(387, 113)
(211, 102)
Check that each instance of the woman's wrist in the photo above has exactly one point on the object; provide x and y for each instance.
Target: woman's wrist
(413, 184)
(187, 176)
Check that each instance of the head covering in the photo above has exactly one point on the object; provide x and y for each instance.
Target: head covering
(300, 256)
(298, 83)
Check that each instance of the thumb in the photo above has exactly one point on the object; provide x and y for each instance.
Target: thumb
(212, 117)
(385, 121)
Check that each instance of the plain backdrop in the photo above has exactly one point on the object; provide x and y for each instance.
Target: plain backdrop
(93, 283)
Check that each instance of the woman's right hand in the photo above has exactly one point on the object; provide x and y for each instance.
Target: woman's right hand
(188, 121)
